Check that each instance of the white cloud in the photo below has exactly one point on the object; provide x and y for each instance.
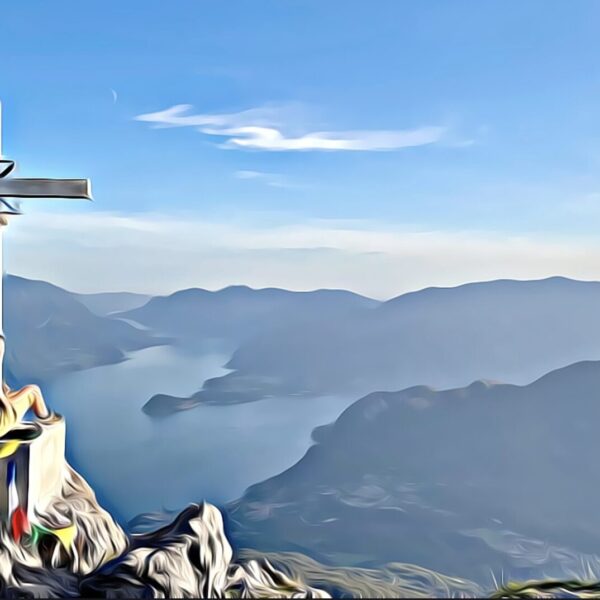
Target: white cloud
(266, 138)
(155, 253)
(271, 179)
(259, 129)
(176, 117)
(250, 174)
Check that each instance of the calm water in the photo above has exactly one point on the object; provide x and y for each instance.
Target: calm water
(137, 464)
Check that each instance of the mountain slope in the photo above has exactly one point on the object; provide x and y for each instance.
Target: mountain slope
(460, 481)
(503, 330)
(49, 332)
(237, 312)
(511, 331)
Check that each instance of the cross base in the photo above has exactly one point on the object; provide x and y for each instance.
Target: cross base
(35, 454)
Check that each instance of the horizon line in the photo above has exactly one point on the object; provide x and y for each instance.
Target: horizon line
(312, 290)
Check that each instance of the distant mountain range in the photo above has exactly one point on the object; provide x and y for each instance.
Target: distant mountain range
(107, 303)
(49, 331)
(238, 313)
(332, 342)
(313, 343)
(460, 481)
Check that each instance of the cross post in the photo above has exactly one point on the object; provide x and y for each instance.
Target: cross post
(21, 189)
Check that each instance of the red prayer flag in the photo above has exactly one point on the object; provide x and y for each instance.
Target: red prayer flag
(19, 524)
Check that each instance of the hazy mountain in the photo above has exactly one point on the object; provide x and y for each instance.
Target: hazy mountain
(49, 332)
(511, 331)
(502, 330)
(458, 481)
(238, 312)
(105, 303)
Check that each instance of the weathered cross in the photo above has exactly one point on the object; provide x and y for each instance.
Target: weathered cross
(12, 187)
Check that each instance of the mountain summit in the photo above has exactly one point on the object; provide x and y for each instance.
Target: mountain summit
(67, 545)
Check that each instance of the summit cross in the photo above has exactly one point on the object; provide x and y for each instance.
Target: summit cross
(21, 189)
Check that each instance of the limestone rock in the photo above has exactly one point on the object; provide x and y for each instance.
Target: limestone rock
(191, 558)
(71, 546)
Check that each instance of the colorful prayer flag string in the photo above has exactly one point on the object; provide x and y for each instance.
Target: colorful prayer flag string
(65, 535)
(19, 524)
(8, 449)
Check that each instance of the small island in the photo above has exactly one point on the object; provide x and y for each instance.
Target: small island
(233, 388)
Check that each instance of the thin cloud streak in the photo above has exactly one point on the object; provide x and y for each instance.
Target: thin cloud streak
(257, 129)
(159, 254)
(270, 179)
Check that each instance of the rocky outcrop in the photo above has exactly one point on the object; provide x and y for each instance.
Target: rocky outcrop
(394, 580)
(191, 558)
(72, 547)
(80, 537)
(550, 588)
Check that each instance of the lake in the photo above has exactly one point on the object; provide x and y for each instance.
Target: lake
(138, 464)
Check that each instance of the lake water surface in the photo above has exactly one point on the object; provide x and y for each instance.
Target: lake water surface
(138, 464)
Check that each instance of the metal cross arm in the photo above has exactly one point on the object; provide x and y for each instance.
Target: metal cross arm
(13, 187)
(45, 188)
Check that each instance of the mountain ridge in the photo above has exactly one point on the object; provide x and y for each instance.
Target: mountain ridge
(503, 330)
(472, 285)
(439, 477)
(50, 332)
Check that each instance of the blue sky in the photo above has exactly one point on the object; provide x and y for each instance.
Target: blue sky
(469, 121)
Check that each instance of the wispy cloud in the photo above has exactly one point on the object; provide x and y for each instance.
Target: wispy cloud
(270, 179)
(259, 129)
(176, 117)
(109, 251)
